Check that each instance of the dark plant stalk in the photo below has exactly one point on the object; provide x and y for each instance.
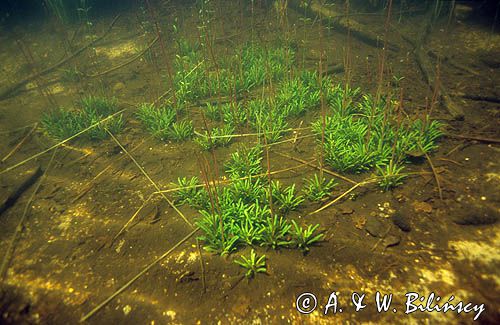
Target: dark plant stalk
(252, 24)
(347, 59)
(233, 101)
(286, 31)
(209, 37)
(216, 178)
(368, 71)
(384, 52)
(206, 181)
(268, 160)
(322, 100)
(154, 17)
(216, 199)
(381, 75)
(398, 127)
(214, 157)
(210, 139)
(437, 84)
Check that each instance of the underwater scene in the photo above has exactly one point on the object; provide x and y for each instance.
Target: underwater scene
(249, 162)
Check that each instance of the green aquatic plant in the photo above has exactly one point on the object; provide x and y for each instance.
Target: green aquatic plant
(214, 112)
(72, 74)
(191, 192)
(217, 236)
(157, 120)
(98, 105)
(188, 50)
(390, 176)
(417, 138)
(341, 99)
(259, 64)
(280, 60)
(62, 124)
(295, 97)
(188, 189)
(248, 190)
(348, 157)
(271, 126)
(274, 232)
(100, 132)
(304, 238)
(425, 134)
(248, 231)
(201, 201)
(94, 109)
(219, 137)
(230, 113)
(189, 79)
(252, 264)
(318, 187)
(285, 198)
(363, 132)
(181, 131)
(234, 114)
(253, 65)
(347, 146)
(233, 207)
(194, 79)
(245, 162)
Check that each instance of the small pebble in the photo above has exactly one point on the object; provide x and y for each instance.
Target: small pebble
(391, 240)
(374, 227)
(401, 222)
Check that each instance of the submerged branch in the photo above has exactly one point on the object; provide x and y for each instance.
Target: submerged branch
(10, 90)
(343, 22)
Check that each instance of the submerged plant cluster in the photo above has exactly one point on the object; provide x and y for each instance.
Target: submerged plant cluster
(161, 122)
(249, 67)
(366, 133)
(358, 133)
(62, 124)
(249, 211)
(270, 117)
(252, 66)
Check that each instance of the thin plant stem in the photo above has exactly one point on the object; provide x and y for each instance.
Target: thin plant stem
(140, 274)
(365, 182)
(434, 172)
(125, 226)
(16, 148)
(384, 52)
(149, 178)
(268, 161)
(314, 166)
(154, 16)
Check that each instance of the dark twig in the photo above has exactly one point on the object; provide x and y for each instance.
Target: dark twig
(474, 138)
(121, 65)
(12, 244)
(16, 148)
